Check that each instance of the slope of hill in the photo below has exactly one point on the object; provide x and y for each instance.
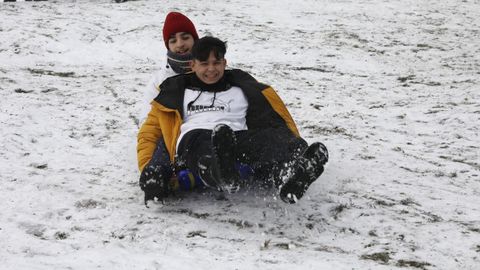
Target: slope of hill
(391, 87)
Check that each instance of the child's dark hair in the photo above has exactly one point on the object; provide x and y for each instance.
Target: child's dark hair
(202, 48)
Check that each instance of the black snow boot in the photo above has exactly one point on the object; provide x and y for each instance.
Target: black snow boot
(219, 169)
(301, 172)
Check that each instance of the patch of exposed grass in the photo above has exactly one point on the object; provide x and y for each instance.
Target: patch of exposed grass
(383, 257)
(408, 263)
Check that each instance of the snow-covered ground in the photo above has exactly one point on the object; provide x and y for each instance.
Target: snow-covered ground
(391, 87)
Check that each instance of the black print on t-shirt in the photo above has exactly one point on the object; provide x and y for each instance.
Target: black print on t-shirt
(215, 106)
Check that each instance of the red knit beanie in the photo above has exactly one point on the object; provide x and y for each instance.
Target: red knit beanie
(177, 22)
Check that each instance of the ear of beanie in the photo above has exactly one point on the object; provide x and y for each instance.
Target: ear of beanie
(177, 22)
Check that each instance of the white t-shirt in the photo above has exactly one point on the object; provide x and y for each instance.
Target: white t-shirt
(202, 111)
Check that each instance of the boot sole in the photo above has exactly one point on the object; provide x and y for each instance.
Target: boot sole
(303, 172)
(223, 144)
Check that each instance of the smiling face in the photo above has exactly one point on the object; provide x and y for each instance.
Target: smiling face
(211, 70)
(181, 43)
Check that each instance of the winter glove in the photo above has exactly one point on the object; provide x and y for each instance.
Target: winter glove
(154, 182)
(156, 174)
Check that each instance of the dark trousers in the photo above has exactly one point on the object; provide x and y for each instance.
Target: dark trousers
(264, 150)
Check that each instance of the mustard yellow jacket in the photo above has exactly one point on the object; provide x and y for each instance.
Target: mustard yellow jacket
(265, 109)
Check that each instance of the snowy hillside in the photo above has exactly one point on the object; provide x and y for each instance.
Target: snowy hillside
(391, 87)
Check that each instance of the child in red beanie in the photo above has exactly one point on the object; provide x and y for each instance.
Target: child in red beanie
(179, 34)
